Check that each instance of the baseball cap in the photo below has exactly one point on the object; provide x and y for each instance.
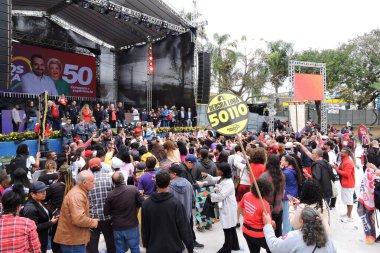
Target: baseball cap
(116, 163)
(38, 186)
(95, 162)
(191, 158)
(88, 153)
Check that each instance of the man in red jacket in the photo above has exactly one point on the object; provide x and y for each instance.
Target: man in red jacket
(347, 171)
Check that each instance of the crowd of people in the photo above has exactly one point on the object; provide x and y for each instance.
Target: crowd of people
(60, 110)
(153, 192)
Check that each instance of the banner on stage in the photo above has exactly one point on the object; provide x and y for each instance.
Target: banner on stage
(297, 115)
(36, 69)
(227, 114)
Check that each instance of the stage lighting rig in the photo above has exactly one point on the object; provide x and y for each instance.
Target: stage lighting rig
(126, 17)
(150, 59)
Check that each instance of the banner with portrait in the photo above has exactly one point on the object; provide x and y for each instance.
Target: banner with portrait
(36, 69)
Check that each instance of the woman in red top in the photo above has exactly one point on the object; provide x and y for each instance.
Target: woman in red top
(257, 158)
(251, 209)
(86, 112)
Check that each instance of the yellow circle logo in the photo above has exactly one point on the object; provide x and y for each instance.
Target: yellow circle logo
(227, 114)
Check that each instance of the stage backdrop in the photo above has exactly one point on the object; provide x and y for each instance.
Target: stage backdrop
(172, 83)
(72, 74)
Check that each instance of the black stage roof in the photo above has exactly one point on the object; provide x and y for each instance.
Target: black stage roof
(153, 18)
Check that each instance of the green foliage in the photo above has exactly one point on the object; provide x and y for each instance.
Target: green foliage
(237, 69)
(353, 69)
(276, 60)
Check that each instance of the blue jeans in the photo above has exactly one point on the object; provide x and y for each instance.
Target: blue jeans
(30, 125)
(73, 248)
(165, 123)
(286, 227)
(128, 238)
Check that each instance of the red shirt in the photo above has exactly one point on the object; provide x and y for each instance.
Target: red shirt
(253, 214)
(347, 172)
(137, 131)
(86, 115)
(257, 169)
(18, 235)
(47, 129)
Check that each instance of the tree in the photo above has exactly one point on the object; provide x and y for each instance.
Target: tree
(236, 68)
(280, 52)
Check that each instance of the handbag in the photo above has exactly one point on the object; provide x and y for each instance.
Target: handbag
(209, 208)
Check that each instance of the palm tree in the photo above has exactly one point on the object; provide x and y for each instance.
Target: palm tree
(224, 59)
(277, 60)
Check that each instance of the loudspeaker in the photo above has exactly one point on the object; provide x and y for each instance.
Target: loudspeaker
(204, 78)
(6, 43)
(257, 108)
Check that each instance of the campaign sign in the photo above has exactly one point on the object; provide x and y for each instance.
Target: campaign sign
(36, 69)
(227, 114)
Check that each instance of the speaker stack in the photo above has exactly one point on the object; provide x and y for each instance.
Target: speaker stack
(204, 78)
(5, 42)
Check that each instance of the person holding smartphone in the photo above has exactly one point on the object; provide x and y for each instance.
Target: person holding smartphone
(36, 211)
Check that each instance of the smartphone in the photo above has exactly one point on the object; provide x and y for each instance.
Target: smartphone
(56, 212)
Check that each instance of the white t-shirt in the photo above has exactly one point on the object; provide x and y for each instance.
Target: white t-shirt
(78, 165)
(30, 161)
(136, 115)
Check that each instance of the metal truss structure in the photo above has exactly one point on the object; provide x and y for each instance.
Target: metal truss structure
(322, 71)
(124, 11)
(149, 83)
(50, 43)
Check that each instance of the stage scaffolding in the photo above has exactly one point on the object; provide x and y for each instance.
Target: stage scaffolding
(322, 71)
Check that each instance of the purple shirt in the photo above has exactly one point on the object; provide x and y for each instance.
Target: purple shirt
(147, 182)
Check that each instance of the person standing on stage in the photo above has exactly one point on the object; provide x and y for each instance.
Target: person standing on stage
(98, 114)
(36, 82)
(16, 119)
(72, 112)
(80, 130)
(67, 132)
(91, 127)
(120, 117)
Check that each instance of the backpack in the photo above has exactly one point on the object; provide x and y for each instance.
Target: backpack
(170, 117)
(377, 194)
(18, 162)
(55, 112)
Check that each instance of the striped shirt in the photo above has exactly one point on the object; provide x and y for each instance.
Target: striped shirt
(277, 203)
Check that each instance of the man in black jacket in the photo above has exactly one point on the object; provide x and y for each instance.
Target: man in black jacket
(322, 172)
(123, 204)
(35, 211)
(164, 223)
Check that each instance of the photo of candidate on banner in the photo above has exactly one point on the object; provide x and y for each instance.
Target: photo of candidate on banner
(37, 69)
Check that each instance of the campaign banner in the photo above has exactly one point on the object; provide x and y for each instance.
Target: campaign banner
(36, 69)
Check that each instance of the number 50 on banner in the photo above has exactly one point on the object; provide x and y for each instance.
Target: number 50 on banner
(227, 114)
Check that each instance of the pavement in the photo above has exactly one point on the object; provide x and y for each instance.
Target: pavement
(347, 237)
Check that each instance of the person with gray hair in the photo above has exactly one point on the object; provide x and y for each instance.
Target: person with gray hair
(311, 237)
(321, 171)
(73, 231)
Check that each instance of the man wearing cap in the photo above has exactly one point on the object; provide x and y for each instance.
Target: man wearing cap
(73, 231)
(191, 172)
(123, 204)
(36, 211)
(97, 198)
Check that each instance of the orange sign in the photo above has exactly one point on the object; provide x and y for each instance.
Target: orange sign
(308, 87)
